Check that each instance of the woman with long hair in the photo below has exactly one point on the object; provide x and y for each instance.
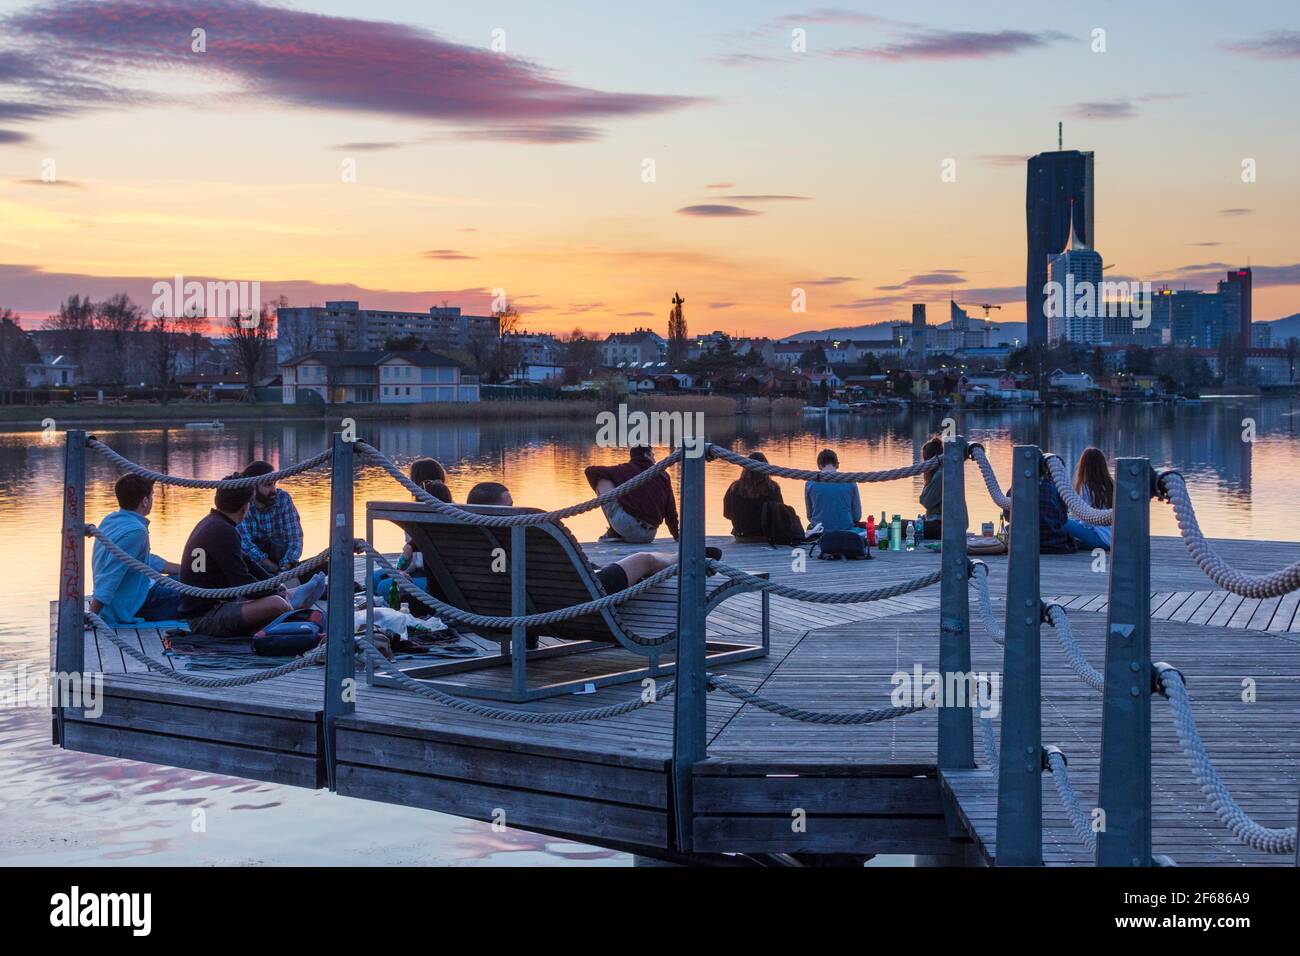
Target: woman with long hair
(1093, 483)
(744, 501)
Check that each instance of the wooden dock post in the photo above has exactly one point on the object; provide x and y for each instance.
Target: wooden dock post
(1020, 764)
(70, 646)
(956, 746)
(690, 704)
(340, 679)
(1125, 782)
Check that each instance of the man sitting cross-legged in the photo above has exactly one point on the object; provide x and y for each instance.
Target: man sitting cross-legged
(214, 558)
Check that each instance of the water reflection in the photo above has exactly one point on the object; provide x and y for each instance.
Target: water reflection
(66, 808)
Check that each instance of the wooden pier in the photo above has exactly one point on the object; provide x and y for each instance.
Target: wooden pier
(770, 785)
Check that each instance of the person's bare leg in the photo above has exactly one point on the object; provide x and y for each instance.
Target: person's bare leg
(263, 610)
(641, 565)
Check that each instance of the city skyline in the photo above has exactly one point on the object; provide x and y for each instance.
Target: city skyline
(525, 169)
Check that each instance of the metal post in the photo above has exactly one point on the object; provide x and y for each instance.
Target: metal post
(340, 682)
(690, 703)
(1125, 784)
(956, 733)
(518, 608)
(370, 594)
(70, 650)
(1020, 765)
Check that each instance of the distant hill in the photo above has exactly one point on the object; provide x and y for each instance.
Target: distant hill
(1285, 328)
(1004, 332)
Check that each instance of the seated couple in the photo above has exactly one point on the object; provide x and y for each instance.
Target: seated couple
(620, 575)
(1058, 532)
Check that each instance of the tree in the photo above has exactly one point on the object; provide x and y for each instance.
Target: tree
(509, 353)
(249, 338)
(74, 324)
(813, 358)
(580, 353)
(121, 319)
(404, 343)
(192, 339)
(163, 348)
(16, 349)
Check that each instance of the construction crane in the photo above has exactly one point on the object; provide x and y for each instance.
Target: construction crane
(986, 306)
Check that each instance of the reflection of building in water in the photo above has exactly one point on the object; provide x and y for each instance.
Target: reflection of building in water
(447, 443)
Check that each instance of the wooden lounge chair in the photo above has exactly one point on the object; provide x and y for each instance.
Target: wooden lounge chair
(459, 562)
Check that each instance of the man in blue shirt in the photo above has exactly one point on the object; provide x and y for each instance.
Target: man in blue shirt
(123, 596)
(833, 505)
(271, 532)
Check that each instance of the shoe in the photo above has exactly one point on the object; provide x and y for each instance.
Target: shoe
(714, 554)
(612, 536)
(310, 593)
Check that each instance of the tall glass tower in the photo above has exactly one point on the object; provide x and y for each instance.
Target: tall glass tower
(1056, 183)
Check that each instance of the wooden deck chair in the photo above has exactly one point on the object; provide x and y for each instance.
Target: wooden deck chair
(473, 568)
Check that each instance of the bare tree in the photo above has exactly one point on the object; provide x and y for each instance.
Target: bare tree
(163, 341)
(74, 323)
(122, 319)
(191, 330)
(16, 349)
(249, 338)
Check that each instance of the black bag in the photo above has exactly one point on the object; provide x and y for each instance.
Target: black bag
(781, 525)
(842, 544)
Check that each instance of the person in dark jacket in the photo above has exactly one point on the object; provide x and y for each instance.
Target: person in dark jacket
(932, 493)
(745, 500)
(214, 558)
(635, 517)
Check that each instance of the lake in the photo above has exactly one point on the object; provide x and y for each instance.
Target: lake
(64, 809)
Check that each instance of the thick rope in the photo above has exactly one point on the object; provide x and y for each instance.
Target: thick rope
(1229, 578)
(1070, 800)
(824, 597)
(125, 464)
(1078, 507)
(217, 594)
(496, 623)
(519, 520)
(313, 656)
(1268, 839)
(803, 474)
(1000, 499)
(979, 574)
(807, 716)
(1060, 622)
(503, 713)
(990, 741)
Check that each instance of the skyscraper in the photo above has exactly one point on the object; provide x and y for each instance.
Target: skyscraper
(1235, 293)
(1077, 315)
(1055, 183)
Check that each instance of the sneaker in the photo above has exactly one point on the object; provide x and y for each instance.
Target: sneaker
(611, 535)
(309, 593)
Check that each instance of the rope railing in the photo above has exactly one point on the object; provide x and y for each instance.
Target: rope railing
(314, 656)
(1207, 559)
(824, 597)
(854, 717)
(519, 520)
(1078, 507)
(1057, 764)
(162, 478)
(266, 586)
(1000, 498)
(803, 474)
(457, 615)
(1231, 815)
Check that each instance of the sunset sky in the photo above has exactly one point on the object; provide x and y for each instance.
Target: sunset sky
(524, 170)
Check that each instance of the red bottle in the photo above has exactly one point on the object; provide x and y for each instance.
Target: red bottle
(871, 530)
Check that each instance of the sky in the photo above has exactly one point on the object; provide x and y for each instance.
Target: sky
(592, 159)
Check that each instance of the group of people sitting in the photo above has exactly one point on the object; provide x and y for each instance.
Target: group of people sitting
(253, 532)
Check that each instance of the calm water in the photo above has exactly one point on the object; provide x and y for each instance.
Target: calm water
(64, 809)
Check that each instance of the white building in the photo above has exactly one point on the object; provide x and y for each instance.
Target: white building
(344, 326)
(639, 346)
(384, 377)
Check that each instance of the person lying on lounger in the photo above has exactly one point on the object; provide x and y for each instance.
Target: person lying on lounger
(618, 576)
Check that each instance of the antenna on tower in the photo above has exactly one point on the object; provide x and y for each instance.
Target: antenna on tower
(1060, 135)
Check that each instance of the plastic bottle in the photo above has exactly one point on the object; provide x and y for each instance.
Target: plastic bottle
(896, 533)
(871, 530)
(909, 535)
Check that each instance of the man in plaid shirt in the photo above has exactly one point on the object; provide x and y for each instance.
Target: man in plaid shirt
(271, 532)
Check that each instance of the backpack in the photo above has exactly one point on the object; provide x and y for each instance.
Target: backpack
(842, 544)
(781, 525)
(292, 633)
